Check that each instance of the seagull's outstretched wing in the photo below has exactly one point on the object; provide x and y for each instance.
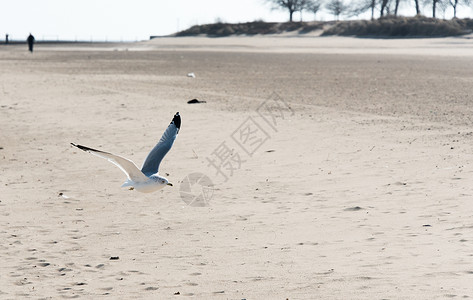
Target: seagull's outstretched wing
(126, 165)
(154, 158)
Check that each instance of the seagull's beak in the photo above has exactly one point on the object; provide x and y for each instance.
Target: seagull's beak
(170, 184)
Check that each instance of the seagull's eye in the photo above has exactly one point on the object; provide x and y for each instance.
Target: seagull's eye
(162, 181)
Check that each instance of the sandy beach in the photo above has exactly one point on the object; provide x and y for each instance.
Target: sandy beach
(341, 168)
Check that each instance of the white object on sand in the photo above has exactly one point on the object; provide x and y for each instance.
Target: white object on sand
(147, 179)
(191, 75)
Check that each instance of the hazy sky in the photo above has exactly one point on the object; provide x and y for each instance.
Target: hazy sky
(128, 20)
(120, 19)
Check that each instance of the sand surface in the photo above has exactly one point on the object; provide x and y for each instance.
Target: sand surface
(341, 169)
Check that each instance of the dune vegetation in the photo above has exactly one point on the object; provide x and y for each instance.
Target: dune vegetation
(390, 26)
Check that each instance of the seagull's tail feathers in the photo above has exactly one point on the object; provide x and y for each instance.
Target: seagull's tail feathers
(127, 183)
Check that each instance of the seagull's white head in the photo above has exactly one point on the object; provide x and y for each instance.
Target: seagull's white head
(162, 180)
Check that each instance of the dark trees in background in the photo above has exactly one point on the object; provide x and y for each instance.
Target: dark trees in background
(358, 7)
(417, 7)
(454, 4)
(384, 7)
(336, 8)
(290, 5)
(313, 6)
(436, 4)
(362, 6)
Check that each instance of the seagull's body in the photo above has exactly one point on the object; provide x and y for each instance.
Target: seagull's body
(147, 179)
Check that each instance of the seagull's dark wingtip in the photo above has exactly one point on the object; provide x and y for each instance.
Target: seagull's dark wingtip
(78, 146)
(86, 149)
(177, 120)
(83, 148)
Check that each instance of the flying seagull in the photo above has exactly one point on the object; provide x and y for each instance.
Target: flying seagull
(147, 179)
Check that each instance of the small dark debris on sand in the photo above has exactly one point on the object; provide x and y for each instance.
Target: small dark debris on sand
(114, 258)
(194, 101)
(355, 208)
(177, 293)
(269, 151)
(44, 264)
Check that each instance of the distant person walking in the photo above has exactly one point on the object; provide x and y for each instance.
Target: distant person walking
(6, 38)
(30, 41)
